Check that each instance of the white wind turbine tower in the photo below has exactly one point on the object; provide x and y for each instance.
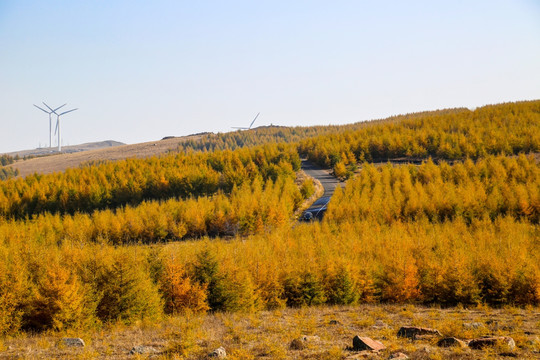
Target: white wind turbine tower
(50, 120)
(58, 123)
(58, 127)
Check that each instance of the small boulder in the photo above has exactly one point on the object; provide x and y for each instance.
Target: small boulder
(365, 343)
(398, 356)
(334, 322)
(413, 332)
(73, 342)
(219, 353)
(143, 350)
(302, 342)
(451, 342)
(297, 344)
(492, 341)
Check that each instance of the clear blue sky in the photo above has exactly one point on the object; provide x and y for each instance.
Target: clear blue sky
(142, 70)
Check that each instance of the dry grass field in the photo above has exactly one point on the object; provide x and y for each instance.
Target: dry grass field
(61, 162)
(268, 335)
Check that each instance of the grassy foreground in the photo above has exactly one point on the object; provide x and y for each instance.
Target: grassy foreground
(268, 335)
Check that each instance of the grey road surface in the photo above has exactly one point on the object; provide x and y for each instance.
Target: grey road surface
(329, 184)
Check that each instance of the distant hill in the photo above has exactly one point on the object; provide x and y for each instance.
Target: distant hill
(74, 156)
(65, 149)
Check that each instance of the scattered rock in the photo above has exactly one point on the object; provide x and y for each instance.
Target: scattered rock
(492, 341)
(303, 341)
(398, 356)
(473, 325)
(297, 344)
(413, 332)
(365, 343)
(219, 353)
(451, 342)
(143, 350)
(73, 342)
(334, 322)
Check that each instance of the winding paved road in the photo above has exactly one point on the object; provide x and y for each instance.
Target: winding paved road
(329, 184)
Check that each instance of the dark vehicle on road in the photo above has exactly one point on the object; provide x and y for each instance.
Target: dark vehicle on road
(317, 210)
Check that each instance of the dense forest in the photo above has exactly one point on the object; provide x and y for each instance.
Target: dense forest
(491, 187)
(279, 134)
(250, 208)
(499, 129)
(76, 283)
(114, 184)
(101, 244)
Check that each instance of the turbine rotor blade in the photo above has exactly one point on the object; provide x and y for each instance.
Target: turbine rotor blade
(254, 120)
(55, 130)
(41, 109)
(58, 108)
(48, 107)
(65, 112)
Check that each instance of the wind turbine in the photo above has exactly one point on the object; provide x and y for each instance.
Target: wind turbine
(50, 120)
(250, 125)
(58, 126)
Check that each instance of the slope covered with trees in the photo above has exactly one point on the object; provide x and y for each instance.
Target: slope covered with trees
(493, 262)
(279, 134)
(132, 181)
(491, 187)
(496, 129)
(93, 246)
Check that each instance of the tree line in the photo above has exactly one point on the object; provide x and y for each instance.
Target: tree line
(75, 284)
(490, 187)
(114, 184)
(506, 129)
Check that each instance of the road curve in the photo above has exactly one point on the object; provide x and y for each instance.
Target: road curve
(329, 184)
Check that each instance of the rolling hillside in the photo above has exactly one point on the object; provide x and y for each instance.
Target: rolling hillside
(208, 227)
(85, 154)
